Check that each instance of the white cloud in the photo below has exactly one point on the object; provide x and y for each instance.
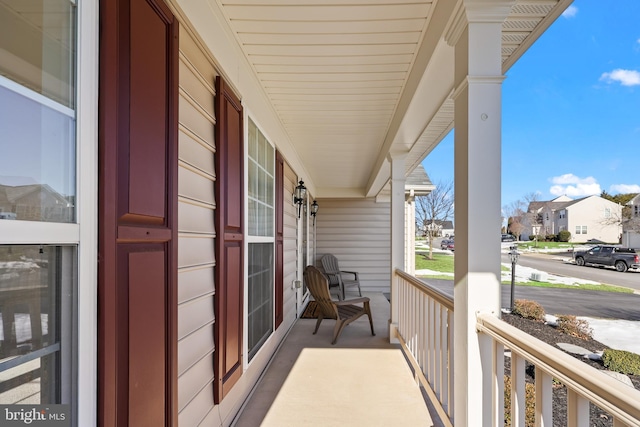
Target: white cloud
(574, 186)
(570, 12)
(624, 77)
(624, 188)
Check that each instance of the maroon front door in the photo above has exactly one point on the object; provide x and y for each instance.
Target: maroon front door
(137, 269)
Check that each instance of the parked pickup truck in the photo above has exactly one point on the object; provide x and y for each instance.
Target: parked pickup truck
(620, 258)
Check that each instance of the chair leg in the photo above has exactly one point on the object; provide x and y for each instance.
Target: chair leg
(320, 317)
(340, 324)
(367, 309)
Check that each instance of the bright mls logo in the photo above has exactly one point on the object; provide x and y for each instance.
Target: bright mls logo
(35, 415)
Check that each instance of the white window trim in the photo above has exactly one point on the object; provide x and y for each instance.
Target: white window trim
(87, 214)
(83, 233)
(266, 347)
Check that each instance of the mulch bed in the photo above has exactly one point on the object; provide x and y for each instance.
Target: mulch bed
(553, 336)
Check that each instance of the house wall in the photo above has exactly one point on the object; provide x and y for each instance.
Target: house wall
(196, 206)
(591, 212)
(196, 261)
(290, 245)
(357, 232)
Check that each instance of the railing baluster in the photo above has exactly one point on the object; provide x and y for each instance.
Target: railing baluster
(544, 399)
(518, 396)
(437, 378)
(577, 410)
(498, 384)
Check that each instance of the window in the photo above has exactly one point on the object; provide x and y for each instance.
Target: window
(563, 214)
(636, 210)
(578, 229)
(37, 117)
(39, 265)
(261, 239)
(607, 212)
(36, 309)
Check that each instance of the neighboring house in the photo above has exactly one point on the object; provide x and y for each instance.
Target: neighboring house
(440, 228)
(631, 226)
(174, 269)
(587, 218)
(35, 202)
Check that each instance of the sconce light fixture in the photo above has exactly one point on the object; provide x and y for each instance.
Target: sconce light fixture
(314, 211)
(299, 195)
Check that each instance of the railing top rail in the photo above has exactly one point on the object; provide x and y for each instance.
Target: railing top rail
(440, 297)
(595, 386)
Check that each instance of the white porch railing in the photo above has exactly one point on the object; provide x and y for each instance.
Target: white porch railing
(425, 332)
(584, 383)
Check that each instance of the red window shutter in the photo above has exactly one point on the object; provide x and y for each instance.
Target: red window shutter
(229, 271)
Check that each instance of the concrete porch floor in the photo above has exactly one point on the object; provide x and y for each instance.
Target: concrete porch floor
(363, 380)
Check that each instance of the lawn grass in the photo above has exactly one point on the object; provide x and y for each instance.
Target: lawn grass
(443, 263)
(546, 245)
(583, 286)
(440, 262)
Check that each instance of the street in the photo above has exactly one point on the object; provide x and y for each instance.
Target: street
(553, 264)
(577, 302)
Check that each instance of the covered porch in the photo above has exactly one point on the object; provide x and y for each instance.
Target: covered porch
(361, 380)
(366, 380)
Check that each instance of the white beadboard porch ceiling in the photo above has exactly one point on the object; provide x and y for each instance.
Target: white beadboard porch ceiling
(352, 80)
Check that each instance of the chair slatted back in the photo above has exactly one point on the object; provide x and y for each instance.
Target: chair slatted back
(319, 287)
(330, 264)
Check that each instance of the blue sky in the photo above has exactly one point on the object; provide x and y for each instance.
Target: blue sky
(571, 109)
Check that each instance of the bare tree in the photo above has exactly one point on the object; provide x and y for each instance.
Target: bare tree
(532, 219)
(435, 206)
(515, 213)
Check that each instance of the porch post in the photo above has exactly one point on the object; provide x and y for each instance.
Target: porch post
(397, 161)
(476, 36)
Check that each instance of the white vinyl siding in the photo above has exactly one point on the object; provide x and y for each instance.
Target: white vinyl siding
(357, 232)
(290, 239)
(196, 233)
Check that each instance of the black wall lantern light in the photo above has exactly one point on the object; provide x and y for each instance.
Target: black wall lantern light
(314, 211)
(299, 195)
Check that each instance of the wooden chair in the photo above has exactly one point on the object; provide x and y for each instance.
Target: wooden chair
(337, 276)
(344, 312)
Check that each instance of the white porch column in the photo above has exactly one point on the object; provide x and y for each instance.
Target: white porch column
(397, 161)
(476, 36)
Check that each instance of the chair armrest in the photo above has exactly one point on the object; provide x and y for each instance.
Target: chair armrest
(352, 301)
(355, 274)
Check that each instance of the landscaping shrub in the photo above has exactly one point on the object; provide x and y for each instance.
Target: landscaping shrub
(528, 309)
(621, 361)
(551, 238)
(578, 328)
(564, 236)
(530, 403)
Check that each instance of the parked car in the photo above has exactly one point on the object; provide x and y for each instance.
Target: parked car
(607, 255)
(445, 243)
(451, 246)
(508, 238)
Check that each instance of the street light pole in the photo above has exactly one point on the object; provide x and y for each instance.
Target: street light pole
(513, 255)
